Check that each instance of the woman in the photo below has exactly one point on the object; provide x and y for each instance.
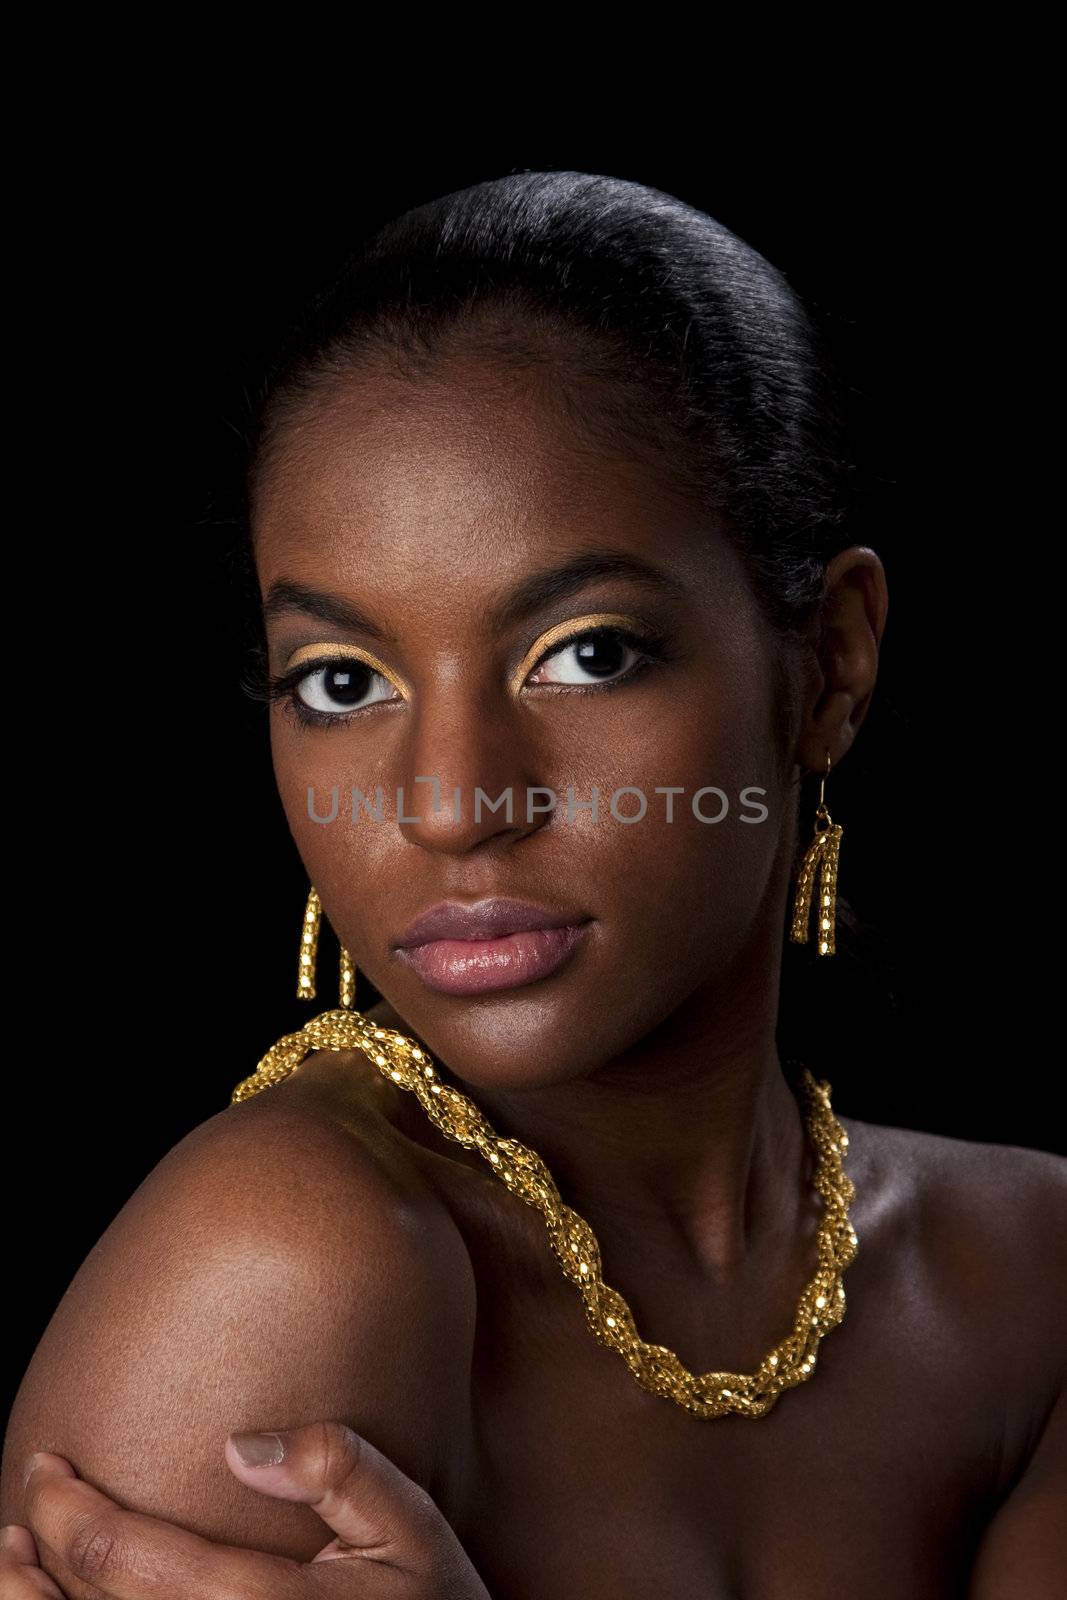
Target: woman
(548, 505)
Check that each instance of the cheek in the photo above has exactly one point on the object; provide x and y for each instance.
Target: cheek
(675, 879)
(682, 887)
(717, 736)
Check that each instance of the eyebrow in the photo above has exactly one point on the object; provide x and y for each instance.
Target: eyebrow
(533, 594)
(286, 595)
(556, 583)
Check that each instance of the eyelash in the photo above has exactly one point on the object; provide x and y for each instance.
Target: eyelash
(283, 686)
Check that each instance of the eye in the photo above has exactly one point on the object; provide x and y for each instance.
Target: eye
(337, 687)
(588, 658)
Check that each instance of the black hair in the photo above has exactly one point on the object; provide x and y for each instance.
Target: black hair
(653, 296)
(699, 351)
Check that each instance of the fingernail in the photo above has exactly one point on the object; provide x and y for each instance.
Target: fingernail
(259, 1449)
(32, 1464)
(7, 1535)
(47, 1458)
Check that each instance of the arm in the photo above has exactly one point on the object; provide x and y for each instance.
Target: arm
(392, 1540)
(1023, 1552)
(269, 1272)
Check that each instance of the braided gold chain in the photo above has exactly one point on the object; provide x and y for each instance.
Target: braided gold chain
(656, 1368)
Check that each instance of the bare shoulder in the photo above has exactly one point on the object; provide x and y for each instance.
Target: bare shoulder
(980, 1231)
(988, 1228)
(276, 1267)
(995, 1183)
(975, 1204)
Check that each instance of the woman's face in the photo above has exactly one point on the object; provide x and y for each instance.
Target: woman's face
(428, 509)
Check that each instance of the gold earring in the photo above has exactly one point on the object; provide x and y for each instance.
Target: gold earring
(348, 980)
(823, 852)
(309, 949)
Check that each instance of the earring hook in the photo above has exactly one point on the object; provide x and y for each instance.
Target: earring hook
(821, 813)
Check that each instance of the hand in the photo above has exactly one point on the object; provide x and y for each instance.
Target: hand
(392, 1542)
(20, 1576)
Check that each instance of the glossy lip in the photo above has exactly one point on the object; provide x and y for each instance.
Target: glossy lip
(477, 966)
(489, 944)
(494, 918)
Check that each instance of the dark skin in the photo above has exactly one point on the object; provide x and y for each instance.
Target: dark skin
(925, 1456)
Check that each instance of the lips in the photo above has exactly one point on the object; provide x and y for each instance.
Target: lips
(482, 919)
(490, 944)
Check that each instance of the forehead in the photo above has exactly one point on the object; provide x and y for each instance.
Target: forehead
(464, 475)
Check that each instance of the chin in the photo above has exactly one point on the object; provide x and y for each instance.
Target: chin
(511, 1039)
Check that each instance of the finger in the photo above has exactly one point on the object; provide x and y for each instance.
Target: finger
(129, 1556)
(374, 1507)
(20, 1576)
(18, 1543)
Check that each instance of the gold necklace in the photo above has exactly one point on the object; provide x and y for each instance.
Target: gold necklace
(656, 1368)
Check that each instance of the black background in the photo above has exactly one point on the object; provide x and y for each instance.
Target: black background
(157, 926)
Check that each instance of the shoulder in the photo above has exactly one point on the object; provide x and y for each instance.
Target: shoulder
(996, 1216)
(979, 1233)
(959, 1182)
(276, 1267)
(306, 1175)
(977, 1208)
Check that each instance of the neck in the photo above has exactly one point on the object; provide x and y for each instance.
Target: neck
(691, 1146)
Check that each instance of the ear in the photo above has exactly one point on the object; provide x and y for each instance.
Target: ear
(845, 637)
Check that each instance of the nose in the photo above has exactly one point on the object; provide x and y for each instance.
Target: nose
(468, 770)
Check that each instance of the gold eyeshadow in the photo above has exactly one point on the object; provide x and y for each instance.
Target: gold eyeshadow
(335, 651)
(556, 637)
(573, 628)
